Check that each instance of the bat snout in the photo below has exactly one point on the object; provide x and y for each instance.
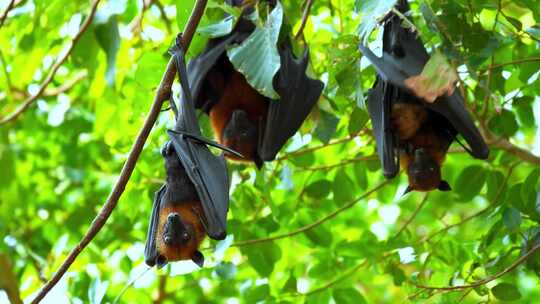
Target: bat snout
(175, 232)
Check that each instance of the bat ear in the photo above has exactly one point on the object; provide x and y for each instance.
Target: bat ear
(409, 189)
(198, 258)
(444, 186)
(258, 161)
(160, 261)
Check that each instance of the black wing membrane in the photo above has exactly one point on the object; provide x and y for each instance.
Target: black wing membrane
(298, 95)
(404, 56)
(380, 100)
(150, 250)
(200, 66)
(207, 171)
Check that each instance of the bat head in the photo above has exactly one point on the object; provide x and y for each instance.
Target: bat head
(179, 236)
(425, 173)
(241, 134)
(175, 233)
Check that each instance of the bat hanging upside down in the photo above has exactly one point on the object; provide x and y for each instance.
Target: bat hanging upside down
(242, 118)
(176, 228)
(405, 124)
(424, 139)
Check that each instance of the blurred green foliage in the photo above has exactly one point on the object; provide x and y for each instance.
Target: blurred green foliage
(60, 159)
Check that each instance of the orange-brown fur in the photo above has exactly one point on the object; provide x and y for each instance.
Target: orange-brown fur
(191, 220)
(407, 119)
(411, 123)
(429, 141)
(237, 94)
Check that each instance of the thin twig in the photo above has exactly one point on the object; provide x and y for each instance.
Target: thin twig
(66, 86)
(312, 149)
(484, 281)
(333, 282)
(6, 73)
(489, 76)
(468, 218)
(129, 284)
(340, 164)
(50, 92)
(413, 216)
(162, 289)
(162, 94)
(521, 153)
(6, 12)
(135, 25)
(163, 15)
(64, 55)
(314, 224)
(517, 61)
(305, 16)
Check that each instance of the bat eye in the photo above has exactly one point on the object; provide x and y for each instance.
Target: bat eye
(185, 236)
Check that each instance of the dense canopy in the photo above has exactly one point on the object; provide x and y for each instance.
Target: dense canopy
(321, 222)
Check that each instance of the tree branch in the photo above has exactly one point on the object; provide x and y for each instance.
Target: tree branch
(8, 280)
(312, 149)
(484, 281)
(521, 153)
(163, 15)
(468, 218)
(413, 216)
(340, 164)
(162, 94)
(314, 224)
(305, 16)
(342, 277)
(6, 12)
(64, 54)
(517, 61)
(49, 92)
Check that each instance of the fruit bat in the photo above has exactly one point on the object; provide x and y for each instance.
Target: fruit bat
(243, 119)
(406, 127)
(195, 198)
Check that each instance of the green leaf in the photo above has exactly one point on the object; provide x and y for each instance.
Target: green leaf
(524, 110)
(348, 295)
(495, 185)
(225, 270)
(97, 291)
(360, 173)
(108, 37)
(257, 57)
(358, 120)
(219, 29)
(326, 126)
(506, 292)
(319, 235)
(397, 273)
(529, 189)
(437, 78)
(263, 257)
(343, 188)
(257, 294)
(319, 189)
(319, 297)
(291, 283)
(512, 219)
(372, 12)
(470, 182)
(516, 23)
(504, 124)
(183, 11)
